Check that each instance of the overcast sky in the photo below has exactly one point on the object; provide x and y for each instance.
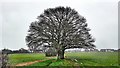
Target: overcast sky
(16, 16)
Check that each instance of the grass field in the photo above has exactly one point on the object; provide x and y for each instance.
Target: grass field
(71, 59)
(20, 58)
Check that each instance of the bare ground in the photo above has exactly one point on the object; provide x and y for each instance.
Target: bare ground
(28, 63)
(32, 62)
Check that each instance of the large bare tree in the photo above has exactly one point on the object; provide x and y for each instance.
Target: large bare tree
(61, 28)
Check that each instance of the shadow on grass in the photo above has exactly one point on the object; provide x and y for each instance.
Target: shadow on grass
(66, 67)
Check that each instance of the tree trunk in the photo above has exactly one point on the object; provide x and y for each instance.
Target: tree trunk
(60, 54)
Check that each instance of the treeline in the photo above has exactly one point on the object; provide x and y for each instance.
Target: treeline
(8, 51)
(49, 51)
(94, 50)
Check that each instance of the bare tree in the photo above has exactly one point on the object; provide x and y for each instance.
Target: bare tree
(61, 28)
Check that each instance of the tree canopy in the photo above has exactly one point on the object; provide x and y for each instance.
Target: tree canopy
(61, 28)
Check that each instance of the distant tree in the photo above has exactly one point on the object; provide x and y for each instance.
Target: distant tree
(61, 28)
(50, 51)
(22, 50)
(6, 51)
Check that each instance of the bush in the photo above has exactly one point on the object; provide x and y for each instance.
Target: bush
(3, 60)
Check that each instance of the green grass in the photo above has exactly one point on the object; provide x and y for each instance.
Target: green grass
(72, 59)
(94, 58)
(44, 63)
(20, 58)
(64, 62)
(53, 63)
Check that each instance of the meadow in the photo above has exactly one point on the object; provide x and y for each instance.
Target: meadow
(74, 59)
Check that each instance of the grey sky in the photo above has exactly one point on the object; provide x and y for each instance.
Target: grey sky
(15, 18)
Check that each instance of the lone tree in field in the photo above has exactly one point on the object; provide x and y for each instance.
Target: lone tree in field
(61, 28)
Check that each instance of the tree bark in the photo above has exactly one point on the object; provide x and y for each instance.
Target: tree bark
(60, 54)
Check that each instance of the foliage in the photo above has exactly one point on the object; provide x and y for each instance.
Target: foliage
(61, 28)
(3, 60)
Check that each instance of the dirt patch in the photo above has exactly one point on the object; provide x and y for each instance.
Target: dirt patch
(32, 62)
(28, 63)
